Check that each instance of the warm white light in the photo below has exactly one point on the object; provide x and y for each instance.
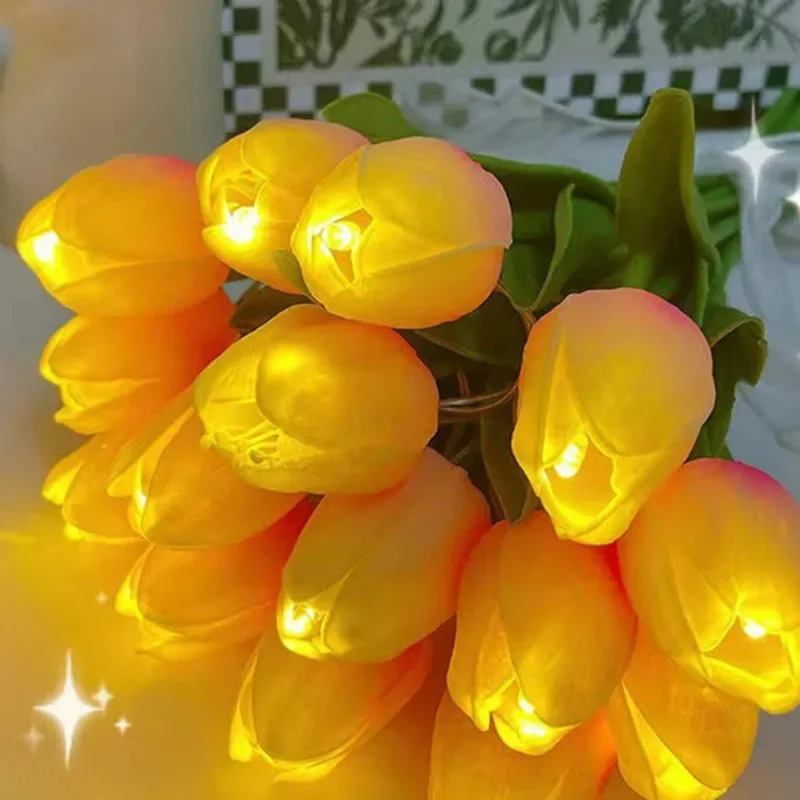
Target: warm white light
(242, 224)
(33, 738)
(524, 705)
(139, 500)
(44, 247)
(101, 598)
(754, 153)
(533, 730)
(103, 698)
(753, 629)
(122, 725)
(339, 236)
(298, 620)
(570, 461)
(68, 710)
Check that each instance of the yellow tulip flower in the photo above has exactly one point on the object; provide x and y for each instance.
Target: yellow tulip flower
(123, 238)
(113, 371)
(339, 598)
(254, 187)
(185, 494)
(312, 403)
(712, 566)
(77, 484)
(677, 738)
(543, 635)
(468, 764)
(614, 388)
(190, 602)
(304, 716)
(408, 233)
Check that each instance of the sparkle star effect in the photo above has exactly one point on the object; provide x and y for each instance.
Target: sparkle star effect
(103, 697)
(122, 725)
(33, 738)
(68, 710)
(755, 153)
(101, 598)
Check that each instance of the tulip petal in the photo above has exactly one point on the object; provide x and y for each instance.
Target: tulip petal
(712, 565)
(678, 737)
(617, 789)
(467, 764)
(570, 629)
(381, 572)
(305, 716)
(62, 475)
(200, 599)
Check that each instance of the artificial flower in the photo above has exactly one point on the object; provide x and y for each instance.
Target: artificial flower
(184, 493)
(123, 238)
(712, 566)
(312, 403)
(408, 233)
(371, 575)
(192, 601)
(77, 484)
(115, 371)
(468, 764)
(304, 716)
(677, 738)
(614, 387)
(543, 635)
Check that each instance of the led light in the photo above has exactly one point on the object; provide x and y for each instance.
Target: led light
(570, 461)
(44, 247)
(525, 706)
(242, 224)
(753, 629)
(534, 730)
(339, 236)
(298, 620)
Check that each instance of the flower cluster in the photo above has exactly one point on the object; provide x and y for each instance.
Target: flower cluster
(295, 489)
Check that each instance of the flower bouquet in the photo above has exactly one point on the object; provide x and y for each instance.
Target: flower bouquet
(454, 467)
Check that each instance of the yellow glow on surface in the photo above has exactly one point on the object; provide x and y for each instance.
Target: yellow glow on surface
(534, 730)
(298, 619)
(139, 499)
(570, 461)
(753, 629)
(44, 247)
(340, 236)
(242, 224)
(525, 706)
(520, 728)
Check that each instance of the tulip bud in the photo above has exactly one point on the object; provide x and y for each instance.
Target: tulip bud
(253, 189)
(77, 484)
(467, 764)
(113, 371)
(677, 737)
(614, 388)
(123, 238)
(340, 599)
(305, 716)
(544, 634)
(712, 566)
(183, 493)
(313, 403)
(395, 763)
(617, 789)
(408, 233)
(192, 601)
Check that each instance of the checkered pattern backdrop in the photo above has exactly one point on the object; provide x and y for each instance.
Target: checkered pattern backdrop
(610, 95)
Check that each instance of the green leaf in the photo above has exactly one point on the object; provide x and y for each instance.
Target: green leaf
(659, 212)
(441, 361)
(532, 225)
(509, 483)
(492, 334)
(289, 267)
(739, 350)
(783, 116)
(585, 242)
(259, 304)
(525, 267)
(372, 115)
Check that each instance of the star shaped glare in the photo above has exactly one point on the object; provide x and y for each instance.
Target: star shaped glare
(755, 153)
(122, 725)
(103, 698)
(68, 710)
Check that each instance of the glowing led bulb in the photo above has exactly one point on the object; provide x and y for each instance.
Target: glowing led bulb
(44, 247)
(753, 629)
(298, 620)
(339, 236)
(242, 224)
(524, 705)
(570, 461)
(533, 730)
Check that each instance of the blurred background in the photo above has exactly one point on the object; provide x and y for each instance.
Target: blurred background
(84, 80)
